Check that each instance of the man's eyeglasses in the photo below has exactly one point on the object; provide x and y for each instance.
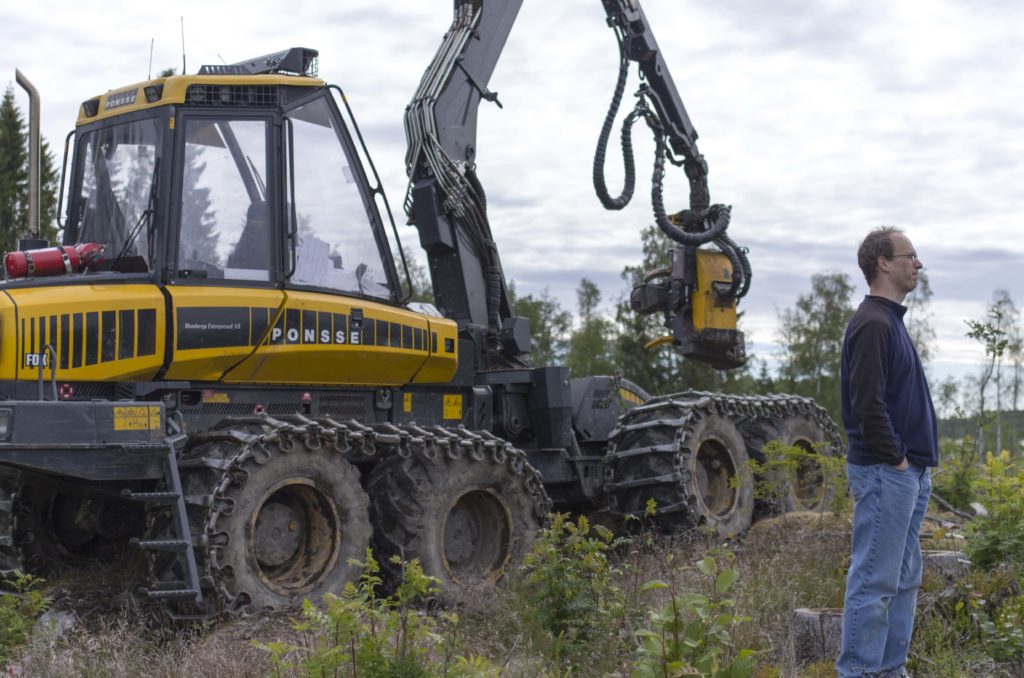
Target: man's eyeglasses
(909, 255)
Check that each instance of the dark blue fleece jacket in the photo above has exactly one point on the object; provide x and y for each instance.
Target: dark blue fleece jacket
(886, 406)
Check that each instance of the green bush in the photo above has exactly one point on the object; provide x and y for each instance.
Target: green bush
(569, 587)
(957, 473)
(974, 627)
(19, 610)
(361, 634)
(785, 465)
(691, 635)
(998, 536)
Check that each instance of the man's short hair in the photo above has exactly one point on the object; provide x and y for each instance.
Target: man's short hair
(878, 243)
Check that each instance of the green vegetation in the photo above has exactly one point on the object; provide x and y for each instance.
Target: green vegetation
(784, 467)
(19, 609)
(363, 634)
(997, 537)
(692, 633)
(592, 603)
(569, 589)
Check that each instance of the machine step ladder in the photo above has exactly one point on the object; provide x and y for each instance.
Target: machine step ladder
(180, 542)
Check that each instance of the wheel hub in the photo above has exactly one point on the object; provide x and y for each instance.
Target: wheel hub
(477, 536)
(715, 471)
(295, 536)
(278, 533)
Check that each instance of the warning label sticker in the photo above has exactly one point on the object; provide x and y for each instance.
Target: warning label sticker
(452, 407)
(137, 418)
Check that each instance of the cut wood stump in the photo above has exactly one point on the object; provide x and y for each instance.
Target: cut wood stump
(817, 633)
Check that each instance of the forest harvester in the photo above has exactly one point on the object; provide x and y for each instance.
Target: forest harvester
(220, 362)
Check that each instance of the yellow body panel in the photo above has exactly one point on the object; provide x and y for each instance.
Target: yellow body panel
(708, 310)
(271, 337)
(97, 332)
(133, 97)
(216, 328)
(233, 335)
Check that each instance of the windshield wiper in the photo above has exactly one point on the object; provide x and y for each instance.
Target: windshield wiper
(145, 218)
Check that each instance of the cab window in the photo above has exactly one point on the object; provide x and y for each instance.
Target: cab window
(335, 245)
(225, 221)
(113, 197)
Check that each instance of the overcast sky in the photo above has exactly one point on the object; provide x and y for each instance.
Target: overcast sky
(819, 120)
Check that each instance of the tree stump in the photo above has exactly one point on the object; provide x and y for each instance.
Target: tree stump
(950, 565)
(816, 634)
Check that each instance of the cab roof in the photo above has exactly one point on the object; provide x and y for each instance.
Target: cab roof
(254, 82)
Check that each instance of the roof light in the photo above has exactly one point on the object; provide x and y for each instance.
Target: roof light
(91, 107)
(154, 93)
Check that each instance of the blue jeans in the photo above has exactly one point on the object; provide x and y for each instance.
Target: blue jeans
(885, 572)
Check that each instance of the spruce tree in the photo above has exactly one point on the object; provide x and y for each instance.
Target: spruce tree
(13, 173)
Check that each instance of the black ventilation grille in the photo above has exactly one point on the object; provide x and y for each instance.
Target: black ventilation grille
(227, 409)
(265, 96)
(602, 399)
(95, 392)
(345, 405)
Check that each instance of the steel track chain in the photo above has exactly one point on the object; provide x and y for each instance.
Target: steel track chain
(356, 442)
(675, 416)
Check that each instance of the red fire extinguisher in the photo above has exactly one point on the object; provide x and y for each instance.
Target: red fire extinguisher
(53, 260)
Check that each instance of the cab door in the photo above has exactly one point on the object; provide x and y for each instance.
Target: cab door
(341, 323)
(225, 282)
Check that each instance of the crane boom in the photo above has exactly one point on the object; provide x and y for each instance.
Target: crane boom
(447, 203)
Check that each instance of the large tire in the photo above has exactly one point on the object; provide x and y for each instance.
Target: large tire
(58, 529)
(43, 549)
(808, 491)
(720, 470)
(694, 466)
(278, 517)
(756, 432)
(10, 555)
(467, 514)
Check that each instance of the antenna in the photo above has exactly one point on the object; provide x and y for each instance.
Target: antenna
(183, 45)
(149, 76)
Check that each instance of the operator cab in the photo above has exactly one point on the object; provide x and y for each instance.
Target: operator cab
(241, 175)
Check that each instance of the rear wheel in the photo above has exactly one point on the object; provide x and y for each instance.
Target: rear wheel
(467, 515)
(808, 490)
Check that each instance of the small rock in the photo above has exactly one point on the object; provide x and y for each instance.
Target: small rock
(54, 624)
(978, 509)
(951, 565)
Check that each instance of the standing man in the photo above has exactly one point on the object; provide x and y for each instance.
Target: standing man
(890, 423)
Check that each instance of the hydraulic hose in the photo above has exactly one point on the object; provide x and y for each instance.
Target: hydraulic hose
(629, 182)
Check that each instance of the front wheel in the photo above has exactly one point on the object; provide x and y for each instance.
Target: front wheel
(279, 518)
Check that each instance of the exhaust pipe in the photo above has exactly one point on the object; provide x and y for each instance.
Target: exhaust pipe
(34, 164)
